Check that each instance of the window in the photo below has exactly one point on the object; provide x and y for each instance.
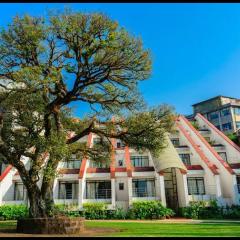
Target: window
(120, 144)
(238, 183)
(185, 158)
(227, 126)
(19, 191)
(223, 155)
(225, 112)
(121, 186)
(140, 161)
(94, 164)
(143, 187)
(120, 163)
(68, 190)
(213, 115)
(72, 163)
(175, 142)
(196, 186)
(98, 189)
(237, 111)
(237, 124)
(218, 127)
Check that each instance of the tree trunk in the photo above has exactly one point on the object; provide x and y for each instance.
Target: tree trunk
(47, 195)
(37, 204)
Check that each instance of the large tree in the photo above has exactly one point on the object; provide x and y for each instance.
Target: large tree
(47, 67)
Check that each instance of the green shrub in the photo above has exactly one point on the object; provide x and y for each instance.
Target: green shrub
(192, 211)
(95, 210)
(148, 210)
(232, 212)
(13, 212)
(200, 210)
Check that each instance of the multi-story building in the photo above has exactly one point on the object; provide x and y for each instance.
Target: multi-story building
(197, 164)
(223, 112)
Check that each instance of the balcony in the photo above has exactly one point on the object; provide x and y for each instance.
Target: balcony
(144, 189)
(100, 194)
(70, 164)
(98, 191)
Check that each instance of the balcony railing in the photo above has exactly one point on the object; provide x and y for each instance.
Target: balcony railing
(71, 164)
(100, 194)
(139, 192)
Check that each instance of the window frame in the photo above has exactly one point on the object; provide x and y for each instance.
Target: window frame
(140, 160)
(188, 160)
(197, 179)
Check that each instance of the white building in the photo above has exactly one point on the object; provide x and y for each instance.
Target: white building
(198, 164)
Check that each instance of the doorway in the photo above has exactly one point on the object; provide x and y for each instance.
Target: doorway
(171, 193)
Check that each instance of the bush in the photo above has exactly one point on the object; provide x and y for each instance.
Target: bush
(139, 210)
(95, 210)
(232, 212)
(148, 210)
(192, 211)
(200, 210)
(13, 212)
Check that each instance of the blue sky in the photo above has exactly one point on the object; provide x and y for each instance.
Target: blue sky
(195, 47)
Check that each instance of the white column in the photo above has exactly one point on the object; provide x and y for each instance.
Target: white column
(55, 189)
(130, 190)
(113, 191)
(80, 193)
(185, 187)
(235, 190)
(162, 190)
(218, 186)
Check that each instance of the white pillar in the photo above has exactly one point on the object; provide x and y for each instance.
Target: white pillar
(218, 186)
(162, 190)
(130, 190)
(113, 191)
(80, 193)
(185, 187)
(235, 191)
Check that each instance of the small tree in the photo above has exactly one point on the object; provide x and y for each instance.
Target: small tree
(46, 65)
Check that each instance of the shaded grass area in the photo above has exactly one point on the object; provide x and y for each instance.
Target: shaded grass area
(148, 229)
(169, 229)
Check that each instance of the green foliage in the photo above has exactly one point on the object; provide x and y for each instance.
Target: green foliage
(233, 137)
(105, 63)
(192, 211)
(94, 210)
(203, 210)
(149, 210)
(139, 210)
(13, 212)
(195, 124)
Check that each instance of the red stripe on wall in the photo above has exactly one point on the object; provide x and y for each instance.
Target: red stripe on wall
(205, 142)
(5, 172)
(128, 162)
(198, 150)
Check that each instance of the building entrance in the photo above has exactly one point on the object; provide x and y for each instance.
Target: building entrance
(171, 193)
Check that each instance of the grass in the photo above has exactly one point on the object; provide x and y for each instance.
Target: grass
(134, 229)
(150, 229)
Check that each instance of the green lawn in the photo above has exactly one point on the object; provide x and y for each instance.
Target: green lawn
(169, 229)
(149, 229)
